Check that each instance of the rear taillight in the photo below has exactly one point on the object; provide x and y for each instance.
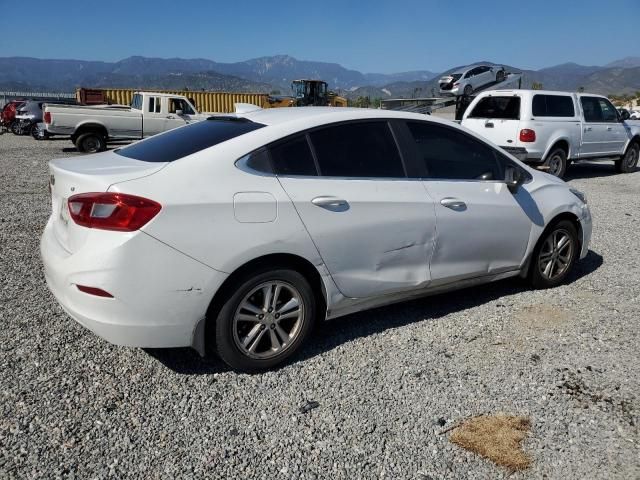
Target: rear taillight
(527, 135)
(47, 118)
(112, 211)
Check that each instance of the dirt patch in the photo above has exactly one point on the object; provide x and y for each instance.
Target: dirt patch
(542, 317)
(496, 437)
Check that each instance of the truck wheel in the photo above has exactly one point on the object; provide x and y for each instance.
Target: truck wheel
(629, 161)
(91, 143)
(556, 162)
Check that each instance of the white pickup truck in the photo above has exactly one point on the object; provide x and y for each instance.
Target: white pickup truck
(555, 128)
(92, 127)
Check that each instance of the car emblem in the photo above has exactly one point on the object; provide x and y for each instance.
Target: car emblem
(73, 189)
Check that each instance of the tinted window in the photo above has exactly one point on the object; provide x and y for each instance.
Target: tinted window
(259, 161)
(449, 154)
(293, 157)
(181, 142)
(609, 112)
(497, 107)
(357, 150)
(591, 109)
(552, 106)
(136, 101)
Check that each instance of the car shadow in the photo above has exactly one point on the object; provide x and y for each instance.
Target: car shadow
(332, 334)
(582, 170)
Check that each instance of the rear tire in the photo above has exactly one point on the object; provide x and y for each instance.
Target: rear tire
(468, 90)
(555, 255)
(91, 143)
(629, 161)
(250, 337)
(556, 162)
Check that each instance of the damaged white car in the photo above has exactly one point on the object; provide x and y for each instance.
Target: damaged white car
(237, 233)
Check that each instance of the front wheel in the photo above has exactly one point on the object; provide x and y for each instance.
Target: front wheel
(468, 90)
(629, 161)
(554, 256)
(265, 320)
(500, 76)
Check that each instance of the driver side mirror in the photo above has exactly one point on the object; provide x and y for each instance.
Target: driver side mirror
(179, 113)
(514, 177)
(624, 115)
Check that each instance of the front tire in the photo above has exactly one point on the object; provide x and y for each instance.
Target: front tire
(91, 143)
(554, 255)
(265, 320)
(629, 161)
(556, 162)
(500, 76)
(468, 90)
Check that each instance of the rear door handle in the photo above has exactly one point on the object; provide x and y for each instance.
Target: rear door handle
(587, 129)
(488, 124)
(609, 128)
(332, 204)
(453, 203)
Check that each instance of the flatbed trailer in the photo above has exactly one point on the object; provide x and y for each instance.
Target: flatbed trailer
(428, 105)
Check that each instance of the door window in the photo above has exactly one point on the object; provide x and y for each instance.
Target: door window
(591, 108)
(359, 149)
(449, 154)
(293, 157)
(176, 104)
(553, 106)
(609, 112)
(507, 108)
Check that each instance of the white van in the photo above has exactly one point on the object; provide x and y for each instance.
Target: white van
(555, 128)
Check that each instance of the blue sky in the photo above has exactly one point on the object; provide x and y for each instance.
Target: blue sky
(375, 36)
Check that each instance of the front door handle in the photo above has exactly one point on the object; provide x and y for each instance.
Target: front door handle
(332, 204)
(170, 117)
(609, 128)
(587, 129)
(453, 204)
(488, 125)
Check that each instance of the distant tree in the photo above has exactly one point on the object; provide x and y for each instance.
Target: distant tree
(375, 103)
(536, 86)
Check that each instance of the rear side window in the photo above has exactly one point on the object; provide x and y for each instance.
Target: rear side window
(293, 157)
(552, 106)
(364, 149)
(449, 154)
(193, 138)
(507, 108)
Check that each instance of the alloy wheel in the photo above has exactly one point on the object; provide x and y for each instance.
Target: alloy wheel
(268, 319)
(556, 254)
(555, 165)
(631, 158)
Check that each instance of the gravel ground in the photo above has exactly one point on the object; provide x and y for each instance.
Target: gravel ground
(386, 382)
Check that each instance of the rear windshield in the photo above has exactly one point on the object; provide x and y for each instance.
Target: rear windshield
(193, 138)
(507, 108)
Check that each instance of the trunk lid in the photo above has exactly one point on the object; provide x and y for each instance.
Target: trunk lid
(92, 173)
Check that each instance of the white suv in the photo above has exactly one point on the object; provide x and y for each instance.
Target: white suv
(555, 128)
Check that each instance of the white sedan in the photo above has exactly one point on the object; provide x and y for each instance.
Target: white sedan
(237, 233)
(467, 80)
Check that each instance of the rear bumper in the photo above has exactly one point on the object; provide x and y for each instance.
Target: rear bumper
(160, 294)
(520, 153)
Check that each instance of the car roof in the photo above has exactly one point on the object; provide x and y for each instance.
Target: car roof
(514, 91)
(322, 115)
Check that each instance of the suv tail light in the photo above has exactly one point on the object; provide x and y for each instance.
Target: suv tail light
(527, 135)
(112, 211)
(47, 118)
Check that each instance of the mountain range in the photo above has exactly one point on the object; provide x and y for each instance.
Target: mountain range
(275, 73)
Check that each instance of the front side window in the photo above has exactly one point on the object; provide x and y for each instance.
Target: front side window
(293, 157)
(507, 108)
(453, 155)
(552, 106)
(176, 104)
(609, 112)
(359, 149)
(591, 108)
